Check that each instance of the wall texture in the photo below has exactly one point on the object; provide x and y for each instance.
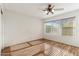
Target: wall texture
(19, 28)
(72, 40)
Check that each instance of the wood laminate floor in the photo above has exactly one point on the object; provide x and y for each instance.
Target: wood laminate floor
(41, 47)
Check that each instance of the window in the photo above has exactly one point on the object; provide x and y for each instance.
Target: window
(67, 27)
(60, 27)
(52, 27)
(48, 28)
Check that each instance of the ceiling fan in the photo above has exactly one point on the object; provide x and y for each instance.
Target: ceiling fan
(50, 9)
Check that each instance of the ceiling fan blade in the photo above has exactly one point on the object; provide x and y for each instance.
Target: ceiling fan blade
(43, 9)
(1, 11)
(59, 9)
(53, 6)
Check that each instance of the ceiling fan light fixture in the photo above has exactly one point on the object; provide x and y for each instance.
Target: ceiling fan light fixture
(45, 12)
(53, 10)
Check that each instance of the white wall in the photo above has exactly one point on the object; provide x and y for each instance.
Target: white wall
(19, 28)
(72, 40)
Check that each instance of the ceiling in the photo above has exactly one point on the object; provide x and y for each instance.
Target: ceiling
(35, 9)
